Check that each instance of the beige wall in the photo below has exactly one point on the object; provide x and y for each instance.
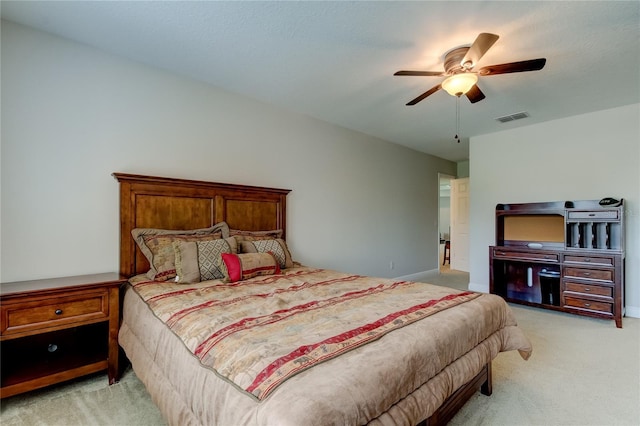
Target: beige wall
(72, 115)
(585, 157)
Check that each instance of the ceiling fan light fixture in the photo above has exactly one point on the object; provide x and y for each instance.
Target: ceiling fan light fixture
(459, 84)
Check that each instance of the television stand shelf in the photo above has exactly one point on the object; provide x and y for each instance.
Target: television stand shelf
(564, 256)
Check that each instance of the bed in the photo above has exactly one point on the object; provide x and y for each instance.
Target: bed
(413, 355)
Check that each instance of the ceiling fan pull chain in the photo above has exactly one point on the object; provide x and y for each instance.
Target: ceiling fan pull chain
(457, 137)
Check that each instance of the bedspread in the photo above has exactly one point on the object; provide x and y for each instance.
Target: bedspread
(400, 378)
(259, 332)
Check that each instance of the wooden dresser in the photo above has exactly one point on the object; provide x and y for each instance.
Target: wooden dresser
(53, 330)
(566, 256)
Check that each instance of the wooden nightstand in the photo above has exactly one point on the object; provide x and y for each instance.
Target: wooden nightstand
(58, 329)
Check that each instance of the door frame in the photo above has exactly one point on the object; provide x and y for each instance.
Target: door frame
(442, 177)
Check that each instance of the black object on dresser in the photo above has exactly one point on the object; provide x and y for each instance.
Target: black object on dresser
(564, 255)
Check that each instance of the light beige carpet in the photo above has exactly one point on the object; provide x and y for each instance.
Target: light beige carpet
(582, 372)
(84, 402)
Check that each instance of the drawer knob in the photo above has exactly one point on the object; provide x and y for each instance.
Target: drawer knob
(587, 289)
(52, 347)
(58, 311)
(586, 305)
(586, 274)
(586, 259)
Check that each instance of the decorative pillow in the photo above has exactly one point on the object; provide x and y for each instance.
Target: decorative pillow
(146, 237)
(164, 255)
(277, 247)
(200, 260)
(238, 267)
(255, 235)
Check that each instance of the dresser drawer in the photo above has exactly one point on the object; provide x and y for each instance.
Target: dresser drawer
(590, 260)
(606, 214)
(576, 302)
(590, 274)
(589, 289)
(524, 255)
(22, 316)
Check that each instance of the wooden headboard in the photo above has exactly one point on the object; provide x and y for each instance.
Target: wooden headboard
(166, 203)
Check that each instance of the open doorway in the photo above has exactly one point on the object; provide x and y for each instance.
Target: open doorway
(444, 221)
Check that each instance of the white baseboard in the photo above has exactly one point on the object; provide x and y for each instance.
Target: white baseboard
(632, 311)
(480, 288)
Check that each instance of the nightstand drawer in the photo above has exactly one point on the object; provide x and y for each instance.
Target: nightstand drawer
(590, 274)
(588, 289)
(46, 313)
(576, 302)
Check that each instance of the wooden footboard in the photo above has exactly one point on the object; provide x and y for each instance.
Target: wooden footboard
(455, 402)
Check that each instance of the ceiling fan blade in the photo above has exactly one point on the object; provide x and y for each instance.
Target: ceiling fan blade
(429, 92)
(475, 94)
(530, 65)
(480, 46)
(421, 73)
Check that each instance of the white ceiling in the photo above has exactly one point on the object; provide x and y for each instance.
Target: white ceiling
(335, 60)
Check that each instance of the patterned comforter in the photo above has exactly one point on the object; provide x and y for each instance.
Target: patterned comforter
(260, 332)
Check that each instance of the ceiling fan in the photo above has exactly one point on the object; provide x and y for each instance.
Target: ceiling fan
(458, 68)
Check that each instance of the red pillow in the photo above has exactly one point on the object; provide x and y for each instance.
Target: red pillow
(238, 267)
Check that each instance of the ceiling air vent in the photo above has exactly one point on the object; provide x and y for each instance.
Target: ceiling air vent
(512, 117)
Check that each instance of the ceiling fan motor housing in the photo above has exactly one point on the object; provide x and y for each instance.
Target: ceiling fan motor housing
(453, 61)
